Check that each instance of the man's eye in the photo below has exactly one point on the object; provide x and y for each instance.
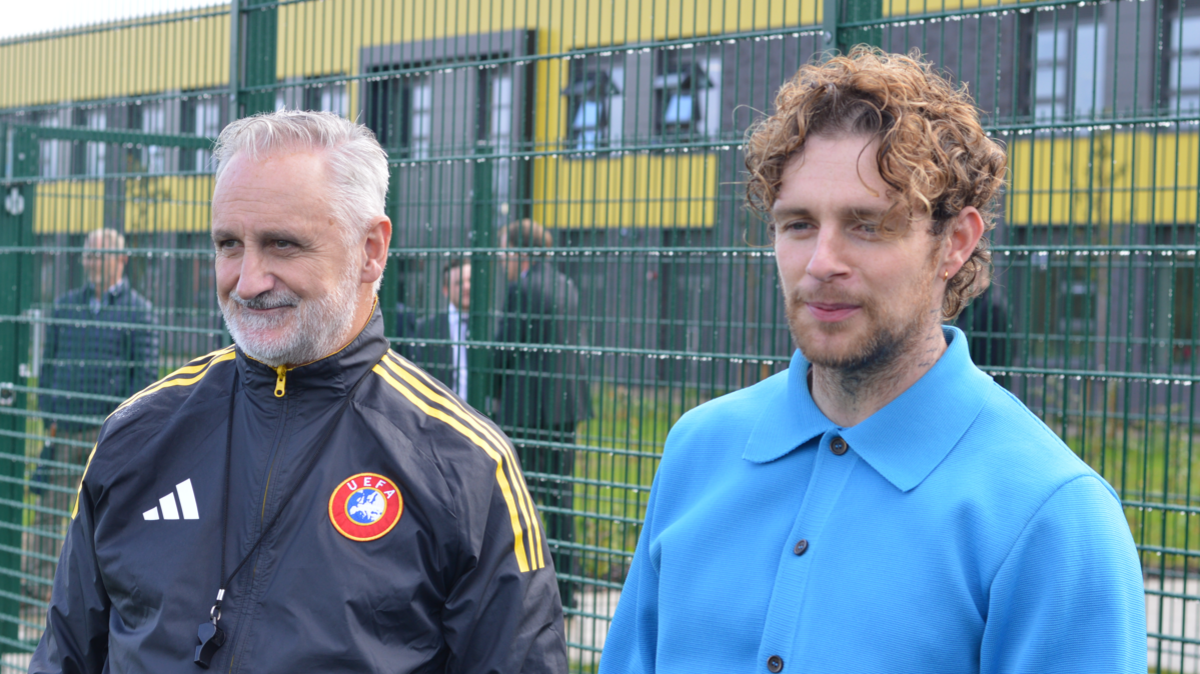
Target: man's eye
(280, 244)
(226, 244)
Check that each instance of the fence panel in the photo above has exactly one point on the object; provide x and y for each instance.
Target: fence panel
(617, 127)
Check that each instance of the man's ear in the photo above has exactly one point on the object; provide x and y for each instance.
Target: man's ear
(965, 231)
(375, 245)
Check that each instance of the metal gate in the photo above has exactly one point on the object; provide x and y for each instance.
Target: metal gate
(618, 127)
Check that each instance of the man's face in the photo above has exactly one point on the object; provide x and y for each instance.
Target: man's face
(103, 269)
(855, 299)
(458, 287)
(287, 282)
(512, 262)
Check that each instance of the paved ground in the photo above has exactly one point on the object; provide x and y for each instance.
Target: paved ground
(1174, 616)
(587, 627)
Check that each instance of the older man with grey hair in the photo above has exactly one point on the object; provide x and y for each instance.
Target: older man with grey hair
(306, 499)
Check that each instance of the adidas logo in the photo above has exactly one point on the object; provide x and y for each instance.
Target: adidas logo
(187, 503)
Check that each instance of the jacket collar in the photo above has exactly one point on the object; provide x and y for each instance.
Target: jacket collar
(114, 291)
(332, 375)
(906, 440)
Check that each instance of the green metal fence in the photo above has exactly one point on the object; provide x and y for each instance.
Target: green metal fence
(617, 126)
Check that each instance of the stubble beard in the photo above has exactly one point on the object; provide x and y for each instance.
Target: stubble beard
(319, 326)
(882, 350)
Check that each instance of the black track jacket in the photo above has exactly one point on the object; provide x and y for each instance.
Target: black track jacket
(461, 581)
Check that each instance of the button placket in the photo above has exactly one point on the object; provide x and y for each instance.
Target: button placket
(830, 475)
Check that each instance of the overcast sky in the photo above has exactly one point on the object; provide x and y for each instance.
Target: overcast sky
(21, 17)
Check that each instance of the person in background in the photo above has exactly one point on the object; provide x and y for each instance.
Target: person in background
(543, 393)
(83, 354)
(447, 362)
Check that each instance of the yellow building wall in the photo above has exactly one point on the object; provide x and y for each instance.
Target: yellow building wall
(632, 191)
(68, 206)
(1139, 176)
(1127, 177)
(168, 204)
(169, 55)
(902, 7)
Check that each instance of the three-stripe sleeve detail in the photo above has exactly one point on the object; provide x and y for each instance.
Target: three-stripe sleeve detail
(527, 546)
(187, 375)
(438, 392)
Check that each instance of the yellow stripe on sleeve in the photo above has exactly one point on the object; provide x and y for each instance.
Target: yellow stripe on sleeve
(79, 491)
(501, 478)
(431, 389)
(180, 378)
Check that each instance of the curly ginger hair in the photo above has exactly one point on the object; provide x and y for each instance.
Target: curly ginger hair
(933, 153)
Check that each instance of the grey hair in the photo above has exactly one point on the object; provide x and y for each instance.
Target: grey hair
(357, 164)
(105, 238)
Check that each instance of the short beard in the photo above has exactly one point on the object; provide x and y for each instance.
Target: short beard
(883, 352)
(320, 325)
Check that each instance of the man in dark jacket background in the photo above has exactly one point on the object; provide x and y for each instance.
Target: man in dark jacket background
(305, 500)
(82, 354)
(543, 393)
(101, 342)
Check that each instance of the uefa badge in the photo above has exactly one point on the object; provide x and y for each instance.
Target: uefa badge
(365, 507)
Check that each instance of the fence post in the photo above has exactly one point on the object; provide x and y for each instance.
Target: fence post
(252, 54)
(843, 37)
(16, 228)
(483, 236)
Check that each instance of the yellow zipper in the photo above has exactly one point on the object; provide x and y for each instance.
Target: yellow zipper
(281, 380)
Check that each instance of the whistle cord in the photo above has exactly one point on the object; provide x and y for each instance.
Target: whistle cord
(211, 637)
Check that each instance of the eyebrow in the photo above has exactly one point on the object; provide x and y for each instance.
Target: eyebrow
(845, 215)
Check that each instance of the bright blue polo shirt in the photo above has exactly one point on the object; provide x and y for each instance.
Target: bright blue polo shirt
(954, 533)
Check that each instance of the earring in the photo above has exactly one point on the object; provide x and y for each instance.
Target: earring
(945, 274)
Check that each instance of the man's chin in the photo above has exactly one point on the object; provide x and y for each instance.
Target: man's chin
(828, 344)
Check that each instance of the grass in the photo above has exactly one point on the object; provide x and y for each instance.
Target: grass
(619, 452)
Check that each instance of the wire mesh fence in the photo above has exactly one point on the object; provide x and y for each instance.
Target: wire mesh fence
(617, 126)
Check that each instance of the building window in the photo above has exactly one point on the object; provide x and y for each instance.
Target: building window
(154, 120)
(1183, 64)
(687, 95)
(201, 117)
(1069, 70)
(94, 154)
(419, 99)
(301, 94)
(400, 112)
(51, 164)
(330, 97)
(594, 103)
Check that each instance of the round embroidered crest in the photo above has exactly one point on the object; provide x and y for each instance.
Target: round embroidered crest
(365, 507)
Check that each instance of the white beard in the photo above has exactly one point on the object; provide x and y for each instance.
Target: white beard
(318, 326)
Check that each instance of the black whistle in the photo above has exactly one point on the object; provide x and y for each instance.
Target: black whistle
(211, 638)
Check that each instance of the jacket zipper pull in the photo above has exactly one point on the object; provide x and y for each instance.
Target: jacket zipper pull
(281, 380)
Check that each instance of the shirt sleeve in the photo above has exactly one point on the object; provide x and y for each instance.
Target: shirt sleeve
(631, 646)
(497, 617)
(76, 636)
(1069, 595)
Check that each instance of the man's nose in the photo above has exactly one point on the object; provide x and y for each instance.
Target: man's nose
(254, 276)
(828, 255)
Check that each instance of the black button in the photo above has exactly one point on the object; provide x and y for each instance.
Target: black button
(775, 664)
(839, 446)
(801, 547)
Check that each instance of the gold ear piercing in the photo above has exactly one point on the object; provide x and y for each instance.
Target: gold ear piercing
(945, 274)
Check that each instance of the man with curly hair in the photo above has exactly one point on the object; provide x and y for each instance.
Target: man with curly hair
(883, 505)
